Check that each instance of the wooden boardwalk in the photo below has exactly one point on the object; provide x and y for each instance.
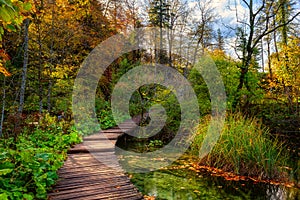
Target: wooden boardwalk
(85, 174)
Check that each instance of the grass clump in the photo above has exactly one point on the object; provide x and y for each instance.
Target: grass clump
(244, 147)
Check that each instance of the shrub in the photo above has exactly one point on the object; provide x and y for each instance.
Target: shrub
(28, 164)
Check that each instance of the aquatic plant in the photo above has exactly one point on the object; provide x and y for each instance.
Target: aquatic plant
(245, 147)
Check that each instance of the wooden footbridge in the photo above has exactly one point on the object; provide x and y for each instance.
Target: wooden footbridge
(85, 174)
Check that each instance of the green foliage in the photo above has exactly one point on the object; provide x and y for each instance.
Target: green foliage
(159, 13)
(28, 165)
(230, 74)
(169, 101)
(11, 15)
(244, 147)
(155, 143)
(105, 116)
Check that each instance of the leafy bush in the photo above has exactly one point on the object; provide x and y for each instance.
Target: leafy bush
(155, 144)
(28, 165)
(243, 147)
(105, 116)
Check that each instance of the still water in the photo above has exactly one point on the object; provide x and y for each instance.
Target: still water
(172, 183)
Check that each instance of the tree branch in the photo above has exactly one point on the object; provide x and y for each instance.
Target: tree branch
(266, 32)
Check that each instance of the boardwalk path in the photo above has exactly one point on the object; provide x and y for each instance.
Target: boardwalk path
(85, 177)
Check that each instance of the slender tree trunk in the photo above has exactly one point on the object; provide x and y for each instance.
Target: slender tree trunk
(3, 107)
(161, 33)
(269, 58)
(170, 37)
(17, 129)
(40, 69)
(262, 56)
(275, 41)
(25, 64)
(239, 88)
(180, 48)
(51, 63)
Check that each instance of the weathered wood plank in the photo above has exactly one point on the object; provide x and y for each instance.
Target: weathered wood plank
(84, 176)
(87, 191)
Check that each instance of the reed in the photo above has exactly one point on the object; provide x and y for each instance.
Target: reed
(245, 147)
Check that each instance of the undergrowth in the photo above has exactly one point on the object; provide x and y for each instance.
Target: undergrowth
(28, 163)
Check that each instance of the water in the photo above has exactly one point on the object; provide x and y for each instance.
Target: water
(181, 184)
(178, 182)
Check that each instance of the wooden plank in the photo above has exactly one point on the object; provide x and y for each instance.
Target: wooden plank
(84, 176)
(85, 150)
(120, 196)
(92, 187)
(85, 183)
(88, 180)
(86, 191)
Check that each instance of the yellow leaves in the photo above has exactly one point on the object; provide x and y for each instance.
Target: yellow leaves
(218, 53)
(288, 62)
(286, 69)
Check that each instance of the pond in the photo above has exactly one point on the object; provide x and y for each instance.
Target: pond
(179, 182)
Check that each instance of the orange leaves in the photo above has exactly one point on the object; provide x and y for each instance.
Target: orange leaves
(4, 57)
(4, 71)
(229, 176)
(218, 172)
(149, 197)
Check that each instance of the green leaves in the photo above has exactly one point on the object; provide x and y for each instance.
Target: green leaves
(27, 6)
(3, 196)
(6, 3)
(11, 27)
(6, 14)
(11, 15)
(1, 31)
(28, 196)
(5, 171)
(30, 170)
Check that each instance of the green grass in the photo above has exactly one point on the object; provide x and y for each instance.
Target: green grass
(244, 148)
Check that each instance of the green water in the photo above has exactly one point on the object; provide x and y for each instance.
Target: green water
(185, 184)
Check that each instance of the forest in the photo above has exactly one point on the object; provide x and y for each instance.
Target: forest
(218, 80)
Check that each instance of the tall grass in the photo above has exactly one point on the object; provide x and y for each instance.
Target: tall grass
(244, 148)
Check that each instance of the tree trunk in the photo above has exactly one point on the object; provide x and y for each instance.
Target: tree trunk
(24, 70)
(170, 37)
(239, 88)
(40, 91)
(269, 58)
(51, 63)
(3, 107)
(262, 56)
